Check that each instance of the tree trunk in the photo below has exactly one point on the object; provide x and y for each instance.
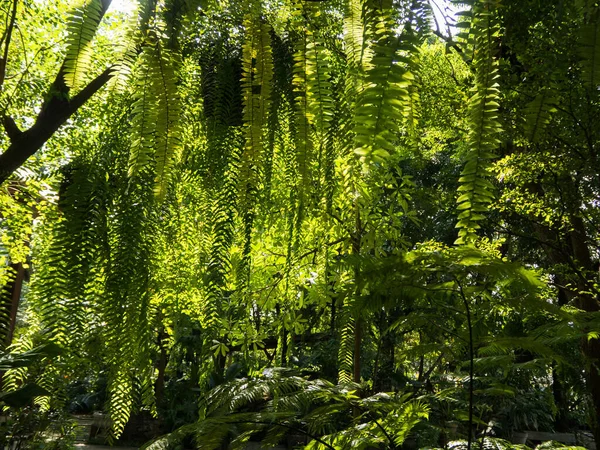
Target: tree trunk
(358, 326)
(11, 296)
(576, 254)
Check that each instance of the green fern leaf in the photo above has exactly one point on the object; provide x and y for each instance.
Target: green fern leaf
(257, 73)
(81, 30)
(168, 129)
(156, 116)
(589, 50)
(304, 143)
(476, 191)
(381, 105)
(538, 113)
(144, 112)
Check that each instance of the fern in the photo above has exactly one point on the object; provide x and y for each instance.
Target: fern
(120, 390)
(358, 37)
(538, 113)
(589, 50)
(304, 142)
(346, 351)
(284, 402)
(156, 111)
(475, 188)
(81, 30)
(125, 308)
(257, 69)
(219, 265)
(381, 105)
(144, 116)
(127, 53)
(168, 130)
(60, 289)
(320, 101)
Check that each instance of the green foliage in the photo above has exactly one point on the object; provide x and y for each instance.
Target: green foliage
(475, 189)
(82, 29)
(156, 115)
(305, 158)
(281, 402)
(538, 113)
(381, 105)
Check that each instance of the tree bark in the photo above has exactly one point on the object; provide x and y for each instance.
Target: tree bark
(54, 113)
(577, 254)
(11, 304)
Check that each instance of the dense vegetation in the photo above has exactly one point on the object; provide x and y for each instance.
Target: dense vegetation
(354, 223)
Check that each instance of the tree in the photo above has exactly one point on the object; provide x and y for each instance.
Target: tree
(58, 103)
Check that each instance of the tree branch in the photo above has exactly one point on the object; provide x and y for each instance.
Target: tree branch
(9, 31)
(56, 110)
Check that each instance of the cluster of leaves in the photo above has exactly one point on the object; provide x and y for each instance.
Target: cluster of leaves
(308, 165)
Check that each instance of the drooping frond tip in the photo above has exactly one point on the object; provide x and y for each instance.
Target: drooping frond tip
(476, 191)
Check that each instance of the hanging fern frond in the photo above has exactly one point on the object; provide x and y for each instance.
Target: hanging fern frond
(465, 39)
(156, 116)
(61, 286)
(538, 113)
(81, 30)
(320, 101)
(144, 112)
(304, 142)
(354, 32)
(125, 308)
(476, 191)
(219, 264)
(589, 50)
(127, 53)
(380, 107)
(356, 46)
(280, 114)
(120, 403)
(257, 74)
(168, 130)
(346, 351)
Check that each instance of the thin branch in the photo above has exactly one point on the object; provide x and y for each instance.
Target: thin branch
(9, 31)
(389, 438)
(471, 363)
